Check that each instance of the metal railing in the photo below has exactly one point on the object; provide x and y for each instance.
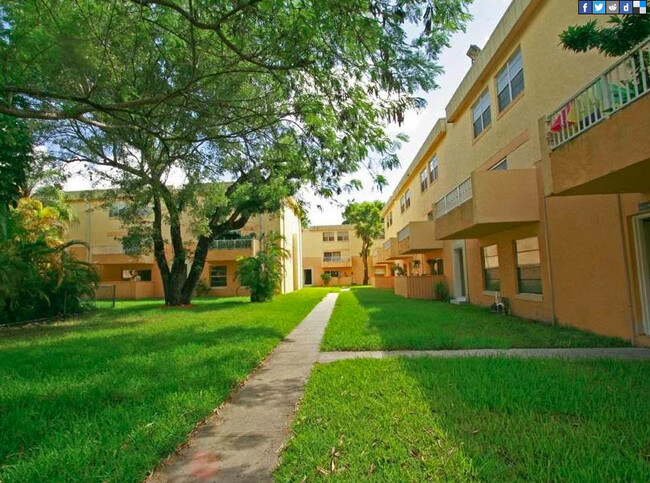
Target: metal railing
(386, 245)
(456, 197)
(626, 81)
(336, 259)
(107, 249)
(238, 244)
(404, 233)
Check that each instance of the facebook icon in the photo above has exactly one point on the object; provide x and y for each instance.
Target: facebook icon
(584, 8)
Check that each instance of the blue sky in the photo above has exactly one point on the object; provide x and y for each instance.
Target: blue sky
(417, 125)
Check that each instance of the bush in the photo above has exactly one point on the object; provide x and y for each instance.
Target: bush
(262, 274)
(441, 291)
(326, 278)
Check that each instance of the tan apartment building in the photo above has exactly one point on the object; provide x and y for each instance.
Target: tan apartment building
(536, 185)
(139, 277)
(335, 250)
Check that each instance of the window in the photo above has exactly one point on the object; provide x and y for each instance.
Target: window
(407, 199)
(510, 81)
(424, 179)
(433, 169)
(529, 266)
(332, 256)
(342, 236)
(491, 274)
(501, 165)
(218, 276)
(481, 113)
(389, 220)
(137, 275)
(333, 273)
(402, 204)
(116, 209)
(437, 266)
(328, 236)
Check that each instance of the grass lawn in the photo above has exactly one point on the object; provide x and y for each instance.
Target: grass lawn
(371, 319)
(461, 420)
(103, 398)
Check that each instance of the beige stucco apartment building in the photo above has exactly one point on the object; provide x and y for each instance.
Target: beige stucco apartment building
(335, 250)
(138, 277)
(536, 185)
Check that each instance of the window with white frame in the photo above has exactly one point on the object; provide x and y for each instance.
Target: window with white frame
(481, 113)
(402, 204)
(342, 236)
(424, 179)
(491, 273)
(116, 209)
(333, 273)
(328, 236)
(218, 276)
(529, 266)
(407, 199)
(433, 169)
(332, 256)
(510, 81)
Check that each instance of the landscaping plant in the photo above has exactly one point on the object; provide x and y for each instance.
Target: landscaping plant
(262, 274)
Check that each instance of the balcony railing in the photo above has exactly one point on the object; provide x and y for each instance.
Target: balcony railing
(626, 81)
(335, 259)
(386, 245)
(107, 249)
(238, 244)
(403, 234)
(456, 197)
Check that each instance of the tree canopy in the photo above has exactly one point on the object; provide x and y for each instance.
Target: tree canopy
(237, 104)
(369, 226)
(621, 35)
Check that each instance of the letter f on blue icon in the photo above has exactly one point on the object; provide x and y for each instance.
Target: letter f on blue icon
(584, 8)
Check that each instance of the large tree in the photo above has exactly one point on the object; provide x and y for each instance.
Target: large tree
(621, 35)
(368, 223)
(239, 103)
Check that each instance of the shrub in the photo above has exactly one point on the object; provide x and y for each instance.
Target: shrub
(441, 291)
(262, 274)
(326, 277)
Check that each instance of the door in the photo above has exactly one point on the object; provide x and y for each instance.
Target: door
(308, 276)
(459, 273)
(643, 257)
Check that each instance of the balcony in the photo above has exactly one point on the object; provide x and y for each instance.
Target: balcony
(487, 203)
(418, 237)
(598, 140)
(390, 251)
(112, 254)
(336, 262)
(227, 250)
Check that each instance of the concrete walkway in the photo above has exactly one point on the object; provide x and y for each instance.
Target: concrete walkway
(629, 353)
(242, 442)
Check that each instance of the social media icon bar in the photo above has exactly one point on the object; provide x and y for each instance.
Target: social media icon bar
(606, 7)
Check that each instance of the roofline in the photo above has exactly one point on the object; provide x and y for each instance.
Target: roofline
(330, 227)
(437, 132)
(513, 19)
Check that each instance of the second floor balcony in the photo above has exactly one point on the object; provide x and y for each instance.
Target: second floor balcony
(418, 237)
(598, 140)
(337, 261)
(486, 203)
(233, 249)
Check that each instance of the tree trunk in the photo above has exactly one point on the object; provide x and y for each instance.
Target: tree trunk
(192, 280)
(366, 278)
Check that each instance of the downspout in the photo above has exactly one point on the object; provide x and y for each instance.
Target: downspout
(88, 218)
(630, 298)
(549, 265)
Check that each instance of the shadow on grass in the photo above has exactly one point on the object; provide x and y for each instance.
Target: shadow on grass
(398, 323)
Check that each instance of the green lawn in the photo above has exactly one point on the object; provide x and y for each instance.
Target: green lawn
(105, 397)
(461, 420)
(371, 319)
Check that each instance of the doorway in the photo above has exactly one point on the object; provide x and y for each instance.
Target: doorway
(309, 279)
(642, 235)
(460, 288)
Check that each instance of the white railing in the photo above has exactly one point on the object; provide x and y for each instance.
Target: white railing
(336, 259)
(386, 245)
(107, 249)
(626, 81)
(238, 244)
(456, 197)
(403, 234)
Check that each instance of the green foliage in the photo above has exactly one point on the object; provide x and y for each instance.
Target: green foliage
(246, 102)
(624, 33)
(442, 293)
(398, 270)
(39, 278)
(368, 224)
(15, 156)
(326, 278)
(262, 274)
